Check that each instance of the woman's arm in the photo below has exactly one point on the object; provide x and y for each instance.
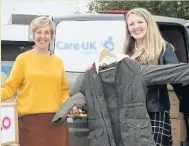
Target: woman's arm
(169, 57)
(65, 88)
(14, 80)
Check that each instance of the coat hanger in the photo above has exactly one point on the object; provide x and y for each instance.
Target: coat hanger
(107, 57)
(105, 53)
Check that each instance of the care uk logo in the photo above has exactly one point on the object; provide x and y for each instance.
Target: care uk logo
(89, 46)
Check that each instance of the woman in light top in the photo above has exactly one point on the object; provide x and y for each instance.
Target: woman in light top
(38, 77)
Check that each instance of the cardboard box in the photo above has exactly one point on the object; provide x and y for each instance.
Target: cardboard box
(173, 98)
(174, 112)
(174, 105)
(170, 88)
(178, 131)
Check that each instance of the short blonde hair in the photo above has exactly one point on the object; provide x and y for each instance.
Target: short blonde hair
(153, 41)
(39, 22)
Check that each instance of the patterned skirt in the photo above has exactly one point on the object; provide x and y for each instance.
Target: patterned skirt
(161, 127)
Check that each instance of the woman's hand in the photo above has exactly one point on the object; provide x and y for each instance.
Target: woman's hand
(75, 110)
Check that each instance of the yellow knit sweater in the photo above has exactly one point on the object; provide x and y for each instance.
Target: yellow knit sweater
(39, 81)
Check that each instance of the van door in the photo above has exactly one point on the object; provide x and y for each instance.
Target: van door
(178, 36)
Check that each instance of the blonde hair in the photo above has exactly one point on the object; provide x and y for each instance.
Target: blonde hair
(154, 44)
(39, 22)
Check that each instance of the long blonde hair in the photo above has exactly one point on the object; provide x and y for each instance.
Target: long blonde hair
(154, 44)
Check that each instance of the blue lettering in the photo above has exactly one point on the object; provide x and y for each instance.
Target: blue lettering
(70, 45)
(66, 46)
(85, 45)
(76, 46)
(60, 45)
(93, 45)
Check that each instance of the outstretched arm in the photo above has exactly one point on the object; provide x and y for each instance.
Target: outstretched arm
(164, 74)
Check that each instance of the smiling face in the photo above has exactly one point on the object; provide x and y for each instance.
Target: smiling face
(137, 26)
(43, 36)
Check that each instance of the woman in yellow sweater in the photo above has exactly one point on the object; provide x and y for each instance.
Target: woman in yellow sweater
(38, 77)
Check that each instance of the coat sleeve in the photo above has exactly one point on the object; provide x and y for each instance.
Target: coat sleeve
(164, 74)
(169, 56)
(77, 99)
(78, 86)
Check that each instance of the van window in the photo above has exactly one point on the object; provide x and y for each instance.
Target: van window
(9, 51)
(78, 42)
(175, 35)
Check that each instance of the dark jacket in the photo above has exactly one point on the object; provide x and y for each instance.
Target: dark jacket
(157, 95)
(131, 119)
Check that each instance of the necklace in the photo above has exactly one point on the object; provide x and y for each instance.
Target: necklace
(139, 49)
